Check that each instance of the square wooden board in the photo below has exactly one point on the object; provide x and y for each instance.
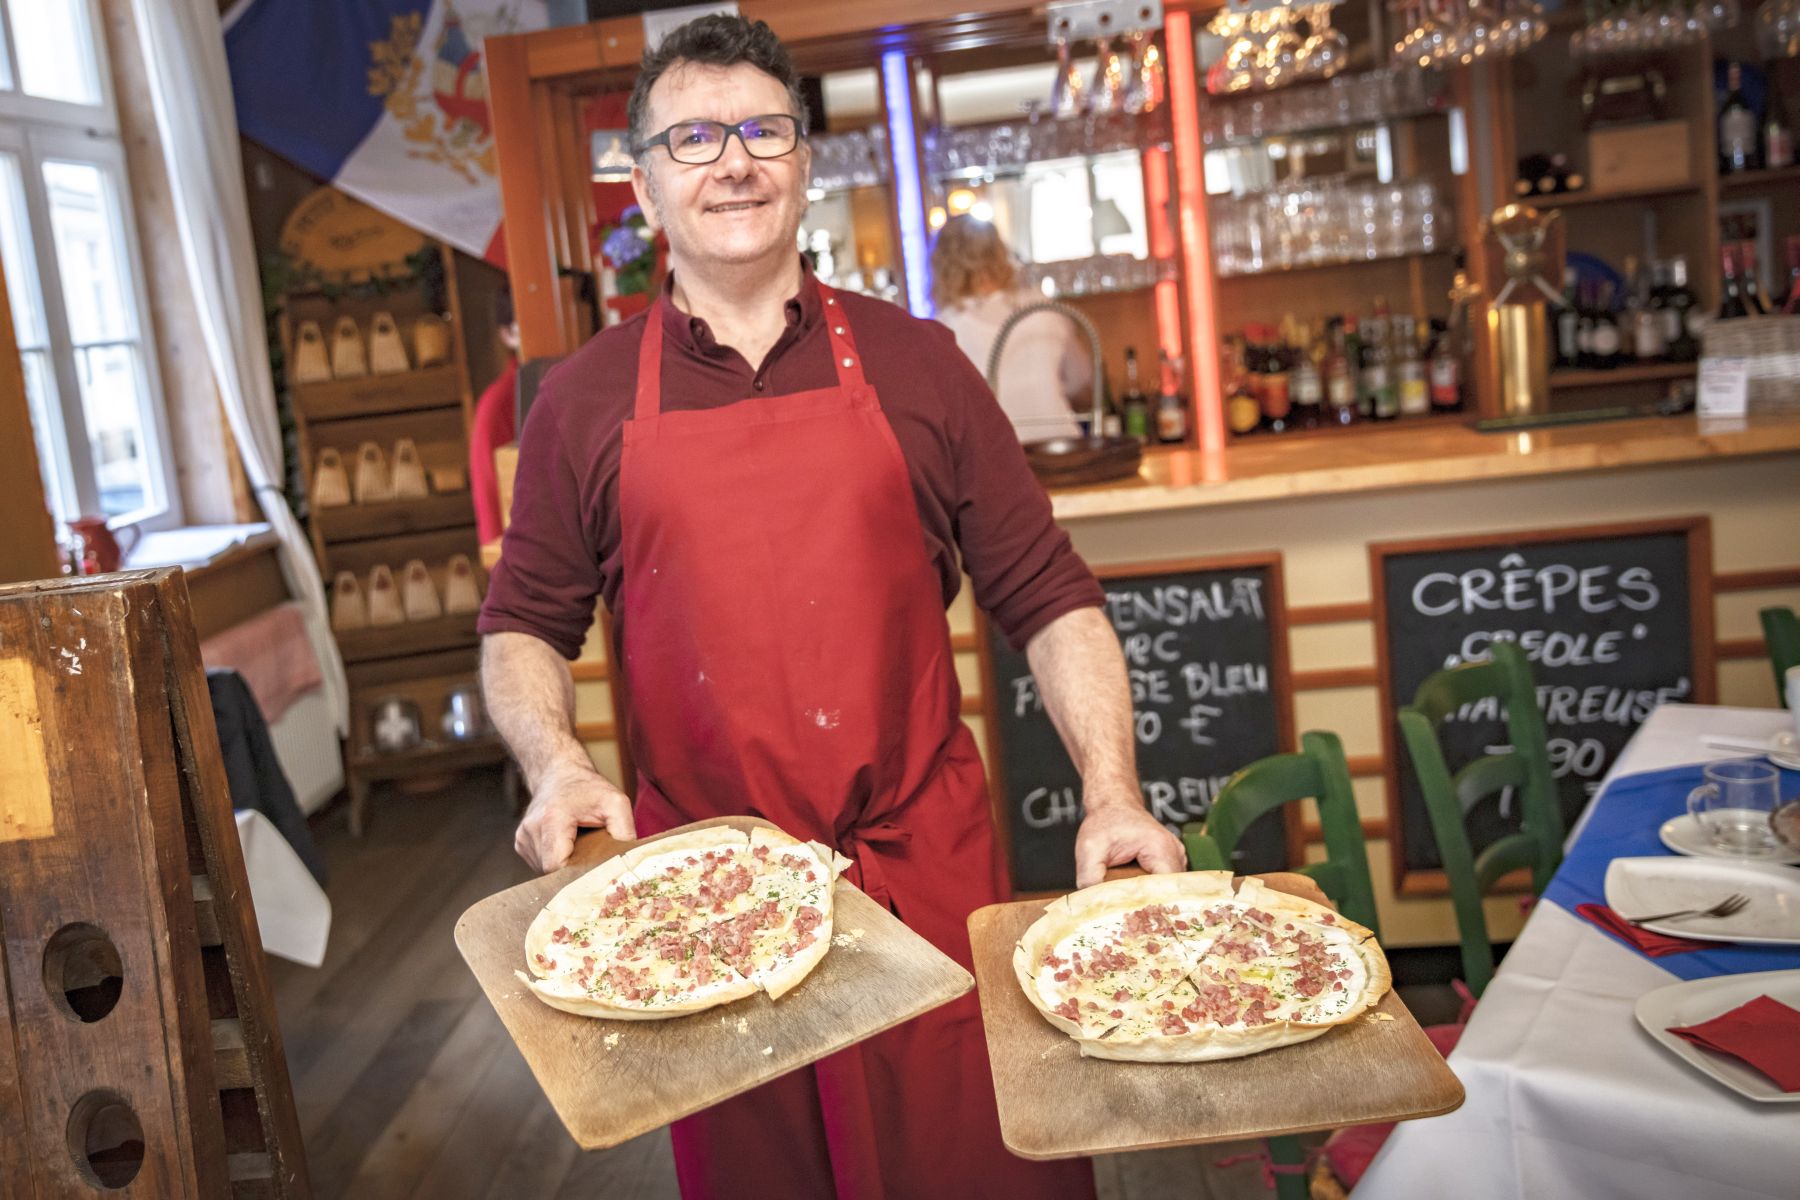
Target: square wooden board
(609, 1081)
(1056, 1104)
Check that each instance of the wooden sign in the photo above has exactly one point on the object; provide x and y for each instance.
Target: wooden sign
(1205, 644)
(345, 239)
(1614, 619)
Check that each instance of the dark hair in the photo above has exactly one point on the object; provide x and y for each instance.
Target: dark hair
(503, 308)
(716, 40)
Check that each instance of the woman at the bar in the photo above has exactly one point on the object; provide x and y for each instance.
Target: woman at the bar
(1045, 368)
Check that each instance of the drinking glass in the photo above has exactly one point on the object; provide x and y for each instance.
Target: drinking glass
(1068, 95)
(1733, 805)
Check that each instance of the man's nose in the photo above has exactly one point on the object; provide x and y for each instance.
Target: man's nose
(735, 161)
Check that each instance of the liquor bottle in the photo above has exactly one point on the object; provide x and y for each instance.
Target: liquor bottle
(1754, 299)
(1733, 305)
(1272, 382)
(1446, 368)
(1568, 320)
(1307, 385)
(1645, 333)
(1242, 411)
(1134, 406)
(1606, 340)
(1738, 149)
(1778, 141)
(1171, 405)
(1409, 368)
(1355, 354)
(1626, 316)
(1378, 367)
(1680, 312)
(1340, 374)
(1792, 304)
(1585, 359)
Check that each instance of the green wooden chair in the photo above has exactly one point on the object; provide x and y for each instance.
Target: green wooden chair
(1320, 772)
(1781, 633)
(1450, 796)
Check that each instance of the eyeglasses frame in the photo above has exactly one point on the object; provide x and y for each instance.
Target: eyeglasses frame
(730, 131)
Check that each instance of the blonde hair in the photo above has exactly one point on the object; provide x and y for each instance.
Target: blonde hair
(967, 259)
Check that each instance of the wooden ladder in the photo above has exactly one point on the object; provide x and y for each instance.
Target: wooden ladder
(141, 1054)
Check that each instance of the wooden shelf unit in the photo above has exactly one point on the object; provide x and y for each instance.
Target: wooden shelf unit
(1618, 376)
(422, 660)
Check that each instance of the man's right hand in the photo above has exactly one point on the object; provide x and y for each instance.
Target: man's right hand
(567, 800)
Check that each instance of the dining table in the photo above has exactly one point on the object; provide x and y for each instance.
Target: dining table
(1567, 1094)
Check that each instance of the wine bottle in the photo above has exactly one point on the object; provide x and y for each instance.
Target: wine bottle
(1792, 304)
(1733, 305)
(1738, 149)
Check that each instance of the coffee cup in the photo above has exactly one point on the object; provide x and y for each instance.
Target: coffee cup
(1734, 804)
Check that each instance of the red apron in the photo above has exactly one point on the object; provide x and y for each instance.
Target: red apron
(783, 645)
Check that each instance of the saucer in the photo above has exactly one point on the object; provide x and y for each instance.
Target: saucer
(1683, 835)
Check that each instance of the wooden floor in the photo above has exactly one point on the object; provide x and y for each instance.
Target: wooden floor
(406, 1082)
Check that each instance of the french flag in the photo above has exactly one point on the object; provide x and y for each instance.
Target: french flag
(385, 99)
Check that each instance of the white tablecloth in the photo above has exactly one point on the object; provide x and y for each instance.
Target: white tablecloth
(292, 910)
(1567, 1096)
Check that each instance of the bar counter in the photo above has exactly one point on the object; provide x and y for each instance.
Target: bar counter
(1439, 451)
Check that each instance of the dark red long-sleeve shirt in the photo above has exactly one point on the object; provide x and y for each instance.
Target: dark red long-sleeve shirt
(969, 478)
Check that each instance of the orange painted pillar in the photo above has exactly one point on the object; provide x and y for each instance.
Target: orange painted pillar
(1196, 242)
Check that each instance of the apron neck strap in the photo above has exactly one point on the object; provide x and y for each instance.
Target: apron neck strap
(844, 357)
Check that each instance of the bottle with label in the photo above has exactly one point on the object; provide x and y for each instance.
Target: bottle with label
(1446, 369)
(1134, 406)
(1171, 405)
(1644, 334)
(1606, 340)
(1585, 358)
(1243, 412)
(1568, 321)
(1754, 298)
(1409, 368)
(1378, 367)
(1354, 353)
(1340, 375)
(1307, 384)
(1791, 305)
(1733, 305)
(1271, 369)
(1738, 142)
(1681, 315)
(1778, 141)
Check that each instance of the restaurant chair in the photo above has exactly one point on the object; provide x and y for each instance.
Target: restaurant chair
(1451, 796)
(1781, 633)
(1318, 771)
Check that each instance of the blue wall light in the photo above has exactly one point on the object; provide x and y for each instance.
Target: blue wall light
(896, 87)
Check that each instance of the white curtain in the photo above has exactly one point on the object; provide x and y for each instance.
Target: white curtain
(184, 51)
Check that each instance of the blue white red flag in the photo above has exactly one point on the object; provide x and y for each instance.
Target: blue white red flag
(385, 99)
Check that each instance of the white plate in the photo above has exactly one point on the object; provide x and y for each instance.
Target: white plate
(1640, 886)
(1700, 1000)
(1781, 748)
(1683, 835)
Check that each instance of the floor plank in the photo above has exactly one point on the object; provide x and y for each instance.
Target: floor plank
(406, 1082)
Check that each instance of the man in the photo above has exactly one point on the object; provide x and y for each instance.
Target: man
(769, 484)
(496, 414)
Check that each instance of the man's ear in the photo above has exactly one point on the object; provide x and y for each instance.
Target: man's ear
(646, 197)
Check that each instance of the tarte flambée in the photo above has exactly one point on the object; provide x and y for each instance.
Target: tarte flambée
(1179, 968)
(685, 923)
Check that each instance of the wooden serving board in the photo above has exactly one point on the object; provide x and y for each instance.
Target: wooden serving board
(1056, 1104)
(610, 1081)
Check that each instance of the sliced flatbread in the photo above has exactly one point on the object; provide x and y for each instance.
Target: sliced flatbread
(1240, 974)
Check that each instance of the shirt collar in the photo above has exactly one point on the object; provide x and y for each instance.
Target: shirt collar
(802, 310)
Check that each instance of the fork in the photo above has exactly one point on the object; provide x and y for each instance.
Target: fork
(1730, 905)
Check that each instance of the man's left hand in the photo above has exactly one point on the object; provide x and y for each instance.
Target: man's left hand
(1117, 830)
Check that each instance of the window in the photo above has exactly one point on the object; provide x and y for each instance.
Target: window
(72, 271)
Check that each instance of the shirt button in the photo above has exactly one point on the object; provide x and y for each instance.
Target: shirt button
(759, 385)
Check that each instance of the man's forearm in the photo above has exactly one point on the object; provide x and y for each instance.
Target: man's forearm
(531, 699)
(1081, 679)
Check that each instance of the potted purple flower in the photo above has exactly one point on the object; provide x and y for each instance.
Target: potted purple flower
(629, 249)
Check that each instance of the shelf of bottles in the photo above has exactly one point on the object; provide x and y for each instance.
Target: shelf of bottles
(1641, 328)
(1345, 371)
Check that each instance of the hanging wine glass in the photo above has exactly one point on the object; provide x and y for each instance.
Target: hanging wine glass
(1109, 77)
(1778, 29)
(1145, 87)
(1068, 95)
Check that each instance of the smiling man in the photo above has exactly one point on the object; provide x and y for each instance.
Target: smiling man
(776, 488)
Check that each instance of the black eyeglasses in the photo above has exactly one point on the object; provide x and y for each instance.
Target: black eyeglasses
(697, 143)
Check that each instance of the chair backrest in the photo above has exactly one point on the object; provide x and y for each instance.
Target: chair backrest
(1451, 796)
(1317, 771)
(1781, 633)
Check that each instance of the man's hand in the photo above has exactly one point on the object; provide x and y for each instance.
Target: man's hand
(1117, 830)
(568, 799)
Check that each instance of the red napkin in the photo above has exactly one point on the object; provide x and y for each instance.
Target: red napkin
(1654, 944)
(1764, 1033)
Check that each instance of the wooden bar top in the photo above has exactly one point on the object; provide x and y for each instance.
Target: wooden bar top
(1437, 452)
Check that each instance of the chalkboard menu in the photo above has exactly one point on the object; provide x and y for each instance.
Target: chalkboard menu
(1205, 644)
(1614, 621)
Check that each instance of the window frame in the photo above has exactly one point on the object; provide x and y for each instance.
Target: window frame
(36, 131)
